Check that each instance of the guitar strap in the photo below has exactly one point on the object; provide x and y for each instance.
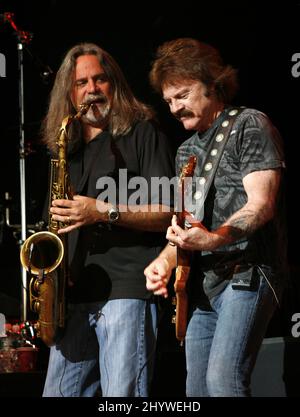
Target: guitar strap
(212, 159)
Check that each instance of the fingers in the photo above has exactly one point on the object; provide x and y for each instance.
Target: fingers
(162, 292)
(158, 287)
(68, 223)
(154, 285)
(62, 203)
(171, 236)
(67, 229)
(63, 211)
(177, 229)
(175, 234)
(157, 276)
(66, 217)
(62, 215)
(153, 277)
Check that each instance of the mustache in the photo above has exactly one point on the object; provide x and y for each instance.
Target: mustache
(95, 98)
(183, 113)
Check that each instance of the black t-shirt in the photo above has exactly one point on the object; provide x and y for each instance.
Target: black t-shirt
(253, 145)
(107, 261)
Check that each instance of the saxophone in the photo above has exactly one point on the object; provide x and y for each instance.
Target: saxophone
(44, 254)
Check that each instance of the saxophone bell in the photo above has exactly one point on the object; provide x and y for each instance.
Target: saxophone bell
(42, 251)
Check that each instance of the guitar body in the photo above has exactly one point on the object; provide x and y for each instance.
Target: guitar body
(183, 258)
(182, 275)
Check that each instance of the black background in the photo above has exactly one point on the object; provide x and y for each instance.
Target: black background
(257, 39)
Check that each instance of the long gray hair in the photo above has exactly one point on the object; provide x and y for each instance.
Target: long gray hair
(126, 108)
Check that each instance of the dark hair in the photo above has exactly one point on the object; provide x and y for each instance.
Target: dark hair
(190, 59)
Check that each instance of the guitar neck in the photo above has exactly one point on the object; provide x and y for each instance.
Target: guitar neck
(183, 259)
(183, 256)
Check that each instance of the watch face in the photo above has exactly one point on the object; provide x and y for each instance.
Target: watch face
(113, 214)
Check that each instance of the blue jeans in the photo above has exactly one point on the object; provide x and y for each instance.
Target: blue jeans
(222, 342)
(108, 346)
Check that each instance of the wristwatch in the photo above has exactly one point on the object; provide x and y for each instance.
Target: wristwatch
(113, 214)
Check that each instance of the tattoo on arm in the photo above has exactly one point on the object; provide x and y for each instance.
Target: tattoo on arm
(242, 224)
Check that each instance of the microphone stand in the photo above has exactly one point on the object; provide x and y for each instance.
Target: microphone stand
(22, 39)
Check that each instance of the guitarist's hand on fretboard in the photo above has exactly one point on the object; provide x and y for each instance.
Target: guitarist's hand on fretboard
(191, 238)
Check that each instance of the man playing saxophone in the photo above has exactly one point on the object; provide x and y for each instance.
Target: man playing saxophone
(110, 333)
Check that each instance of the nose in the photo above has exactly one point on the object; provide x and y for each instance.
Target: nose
(175, 106)
(91, 86)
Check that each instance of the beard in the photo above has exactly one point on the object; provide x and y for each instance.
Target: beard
(98, 111)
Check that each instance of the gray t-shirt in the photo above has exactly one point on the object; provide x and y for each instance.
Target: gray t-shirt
(253, 145)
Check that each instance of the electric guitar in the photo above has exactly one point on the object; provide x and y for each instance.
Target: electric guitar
(183, 256)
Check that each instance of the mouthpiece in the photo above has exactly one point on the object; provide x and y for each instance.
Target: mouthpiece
(83, 109)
